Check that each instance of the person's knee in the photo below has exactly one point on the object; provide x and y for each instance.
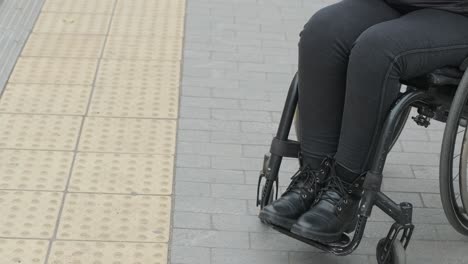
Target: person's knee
(323, 26)
(374, 49)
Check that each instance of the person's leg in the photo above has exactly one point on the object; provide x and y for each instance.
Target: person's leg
(323, 55)
(412, 45)
(415, 44)
(324, 49)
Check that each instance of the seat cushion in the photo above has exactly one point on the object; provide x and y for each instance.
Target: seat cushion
(447, 76)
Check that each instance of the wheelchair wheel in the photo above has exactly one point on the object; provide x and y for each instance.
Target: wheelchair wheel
(397, 253)
(453, 163)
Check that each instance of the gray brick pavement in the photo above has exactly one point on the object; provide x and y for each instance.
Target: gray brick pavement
(17, 18)
(239, 57)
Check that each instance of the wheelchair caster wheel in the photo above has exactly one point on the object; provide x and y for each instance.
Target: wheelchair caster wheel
(397, 254)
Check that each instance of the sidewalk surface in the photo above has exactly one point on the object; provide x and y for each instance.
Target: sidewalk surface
(94, 140)
(88, 127)
(239, 58)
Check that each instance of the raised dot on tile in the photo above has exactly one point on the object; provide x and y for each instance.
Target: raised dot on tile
(128, 135)
(29, 214)
(107, 252)
(110, 219)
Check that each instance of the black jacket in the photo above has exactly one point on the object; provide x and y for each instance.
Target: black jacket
(455, 6)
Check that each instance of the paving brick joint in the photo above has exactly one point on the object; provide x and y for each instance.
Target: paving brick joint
(88, 145)
(239, 57)
(88, 121)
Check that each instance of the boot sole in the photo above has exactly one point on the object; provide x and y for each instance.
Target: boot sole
(273, 219)
(319, 236)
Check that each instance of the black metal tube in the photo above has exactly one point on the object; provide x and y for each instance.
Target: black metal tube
(357, 237)
(367, 202)
(388, 206)
(389, 127)
(283, 133)
(288, 111)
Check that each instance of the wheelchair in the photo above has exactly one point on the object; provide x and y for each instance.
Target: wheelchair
(440, 95)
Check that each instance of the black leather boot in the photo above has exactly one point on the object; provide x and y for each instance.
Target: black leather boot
(334, 211)
(297, 198)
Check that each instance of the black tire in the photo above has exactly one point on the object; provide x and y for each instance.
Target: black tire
(455, 213)
(397, 253)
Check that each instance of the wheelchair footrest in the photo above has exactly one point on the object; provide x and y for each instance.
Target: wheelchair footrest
(331, 248)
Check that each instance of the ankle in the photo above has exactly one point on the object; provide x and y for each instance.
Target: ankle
(314, 162)
(346, 174)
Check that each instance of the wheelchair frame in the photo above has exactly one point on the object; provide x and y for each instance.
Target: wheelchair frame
(432, 102)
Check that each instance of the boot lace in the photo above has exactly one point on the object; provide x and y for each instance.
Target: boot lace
(309, 178)
(335, 190)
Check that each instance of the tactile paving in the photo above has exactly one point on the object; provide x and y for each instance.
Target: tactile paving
(67, 252)
(18, 251)
(122, 173)
(34, 170)
(128, 135)
(45, 99)
(74, 6)
(159, 101)
(150, 8)
(115, 218)
(70, 23)
(64, 45)
(136, 73)
(143, 48)
(39, 131)
(158, 25)
(29, 214)
(54, 71)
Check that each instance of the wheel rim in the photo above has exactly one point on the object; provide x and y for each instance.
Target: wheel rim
(458, 183)
(448, 185)
(463, 171)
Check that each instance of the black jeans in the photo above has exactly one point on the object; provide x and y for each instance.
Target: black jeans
(351, 57)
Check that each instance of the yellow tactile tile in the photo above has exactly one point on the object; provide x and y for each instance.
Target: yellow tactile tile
(29, 214)
(45, 99)
(128, 135)
(54, 71)
(81, 6)
(115, 218)
(157, 25)
(39, 131)
(158, 101)
(70, 23)
(150, 8)
(64, 45)
(135, 73)
(67, 252)
(17, 251)
(122, 173)
(144, 48)
(34, 170)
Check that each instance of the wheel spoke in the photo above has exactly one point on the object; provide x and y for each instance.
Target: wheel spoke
(456, 177)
